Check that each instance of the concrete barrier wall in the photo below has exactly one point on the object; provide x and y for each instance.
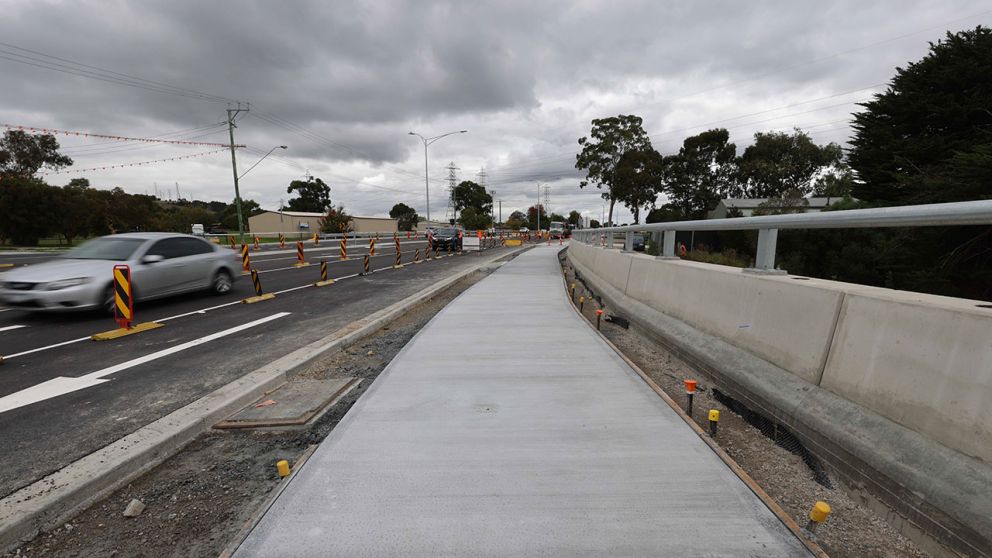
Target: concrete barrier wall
(922, 361)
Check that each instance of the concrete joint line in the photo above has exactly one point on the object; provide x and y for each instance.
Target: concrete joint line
(52, 500)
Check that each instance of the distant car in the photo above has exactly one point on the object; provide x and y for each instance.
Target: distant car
(557, 230)
(524, 230)
(162, 264)
(638, 242)
(445, 238)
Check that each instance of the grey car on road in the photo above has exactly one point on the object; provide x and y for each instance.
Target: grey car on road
(162, 264)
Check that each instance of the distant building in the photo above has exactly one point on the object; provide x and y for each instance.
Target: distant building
(748, 206)
(292, 222)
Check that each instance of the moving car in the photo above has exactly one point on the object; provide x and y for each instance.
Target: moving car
(443, 238)
(162, 264)
(557, 230)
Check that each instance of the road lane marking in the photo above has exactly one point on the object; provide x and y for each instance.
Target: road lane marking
(8, 328)
(46, 347)
(62, 385)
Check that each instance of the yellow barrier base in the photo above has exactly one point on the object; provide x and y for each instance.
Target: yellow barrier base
(121, 332)
(417, 261)
(324, 283)
(513, 242)
(246, 273)
(399, 266)
(259, 298)
(6, 265)
(301, 264)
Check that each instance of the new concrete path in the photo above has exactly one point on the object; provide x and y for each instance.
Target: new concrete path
(506, 427)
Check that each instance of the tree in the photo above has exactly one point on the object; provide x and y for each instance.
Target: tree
(703, 172)
(516, 220)
(228, 218)
(314, 195)
(780, 161)
(73, 209)
(20, 198)
(472, 220)
(469, 194)
(556, 217)
(337, 220)
(532, 221)
(593, 224)
(405, 216)
(638, 179)
(574, 218)
(600, 156)
(913, 141)
(23, 154)
(837, 184)
(666, 213)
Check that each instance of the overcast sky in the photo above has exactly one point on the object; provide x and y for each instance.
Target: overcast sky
(341, 84)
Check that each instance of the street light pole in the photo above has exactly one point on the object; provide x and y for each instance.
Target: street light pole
(427, 184)
(538, 207)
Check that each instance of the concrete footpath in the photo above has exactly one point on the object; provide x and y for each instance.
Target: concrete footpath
(507, 427)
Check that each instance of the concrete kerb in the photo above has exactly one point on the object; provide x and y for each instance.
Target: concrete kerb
(939, 491)
(49, 502)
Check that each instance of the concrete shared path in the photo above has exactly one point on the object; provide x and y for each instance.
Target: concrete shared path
(506, 427)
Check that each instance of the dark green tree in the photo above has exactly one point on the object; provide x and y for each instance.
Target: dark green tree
(406, 216)
(532, 220)
(703, 172)
(23, 154)
(574, 218)
(469, 194)
(73, 209)
(609, 139)
(915, 142)
(780, 161)
(472, 220)
(594, 224)
(20, 198)
(314, 195)
(228, 218)
(638, 180)
(516, 220)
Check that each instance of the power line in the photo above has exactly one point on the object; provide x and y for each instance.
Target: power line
(101, 74)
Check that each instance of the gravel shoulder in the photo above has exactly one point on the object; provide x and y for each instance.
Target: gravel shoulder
(851, 531)
(197, 501)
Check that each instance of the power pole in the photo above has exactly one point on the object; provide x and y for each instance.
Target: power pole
(452, 183)
(232, 113)
(492, 207)
(538, 207)
(547, 201)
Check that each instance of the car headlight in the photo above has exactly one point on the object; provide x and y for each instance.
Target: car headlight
(66, 283)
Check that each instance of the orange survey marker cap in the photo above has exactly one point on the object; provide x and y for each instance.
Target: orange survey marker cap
(690, 386)
(599, 312)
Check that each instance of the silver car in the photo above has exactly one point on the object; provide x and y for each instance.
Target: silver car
(162, 264)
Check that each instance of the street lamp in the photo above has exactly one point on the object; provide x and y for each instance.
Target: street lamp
(237, 191)
(427, 186)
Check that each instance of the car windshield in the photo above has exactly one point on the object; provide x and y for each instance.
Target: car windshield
(447, 232)
(107, 248)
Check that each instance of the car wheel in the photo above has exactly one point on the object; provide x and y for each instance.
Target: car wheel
(107, 300)
(221, 283)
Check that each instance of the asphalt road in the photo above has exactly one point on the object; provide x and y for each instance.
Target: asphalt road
(84, 394)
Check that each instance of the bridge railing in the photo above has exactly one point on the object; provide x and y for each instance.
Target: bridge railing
(931, 215)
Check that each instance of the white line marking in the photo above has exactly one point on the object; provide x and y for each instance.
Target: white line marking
(62, 385)
(45, 348)
(8, 328)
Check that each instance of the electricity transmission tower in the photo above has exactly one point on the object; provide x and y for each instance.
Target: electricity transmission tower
(547, 202)
(451, 213)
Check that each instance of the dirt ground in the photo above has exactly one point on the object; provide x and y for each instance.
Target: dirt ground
(851, 531)
(198, 500)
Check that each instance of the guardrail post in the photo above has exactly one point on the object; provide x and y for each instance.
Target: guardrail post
(764, 260)
(668, 246)
(628, 242)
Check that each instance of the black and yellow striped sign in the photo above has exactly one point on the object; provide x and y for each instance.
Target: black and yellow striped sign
(371, 246)
(316, 239)
(430, 244)
(300, 260)
(230, 240)
(256, 282)
(323, 270)
(245, 260)
(344, 248)
(398, 257)
(416, 256)
(123, 304)
(282, 240)
(256, 242)
(365, 264)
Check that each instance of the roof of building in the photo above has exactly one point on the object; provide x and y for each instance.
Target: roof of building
(754, 203)
(312, 214)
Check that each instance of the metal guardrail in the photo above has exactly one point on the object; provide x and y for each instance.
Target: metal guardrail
(931, 215)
